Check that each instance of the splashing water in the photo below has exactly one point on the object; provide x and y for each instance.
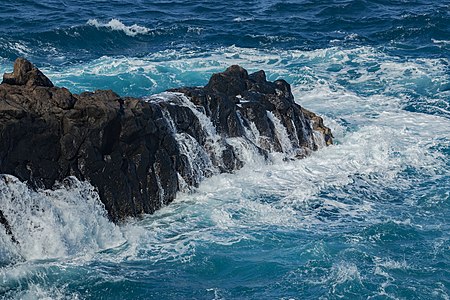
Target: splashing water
(54, 223)
(366, 218)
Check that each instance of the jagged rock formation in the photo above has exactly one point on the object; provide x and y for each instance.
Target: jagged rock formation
(140, 152)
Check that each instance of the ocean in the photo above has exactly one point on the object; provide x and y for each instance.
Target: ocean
(365, 218)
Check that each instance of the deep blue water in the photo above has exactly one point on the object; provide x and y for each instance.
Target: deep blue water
(367, 218)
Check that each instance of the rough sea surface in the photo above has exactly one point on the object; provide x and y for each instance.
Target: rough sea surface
(367, 218)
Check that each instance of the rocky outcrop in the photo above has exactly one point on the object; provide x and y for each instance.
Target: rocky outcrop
(139, 152)
(233, 100)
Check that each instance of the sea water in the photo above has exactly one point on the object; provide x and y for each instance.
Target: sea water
(366, 218)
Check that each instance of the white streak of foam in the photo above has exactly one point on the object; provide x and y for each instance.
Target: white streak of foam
(205, 121)
(115, 24)
(282, 134)
(243, 19)
(199, 162)
(246, 150)
(319, 139)
(343, 273)
(213, 142)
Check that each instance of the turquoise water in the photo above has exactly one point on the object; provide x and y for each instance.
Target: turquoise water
(367, 218)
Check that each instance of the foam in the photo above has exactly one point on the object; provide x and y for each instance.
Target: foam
(229, 208)
(268, 39)
(282, 134)
(115, 24)
(343, 272)
(391, 264)
(350, 74)
(36, 291)
(196, 30)
(19, 47)
(445, 42)
(67, 221)
(243, 19)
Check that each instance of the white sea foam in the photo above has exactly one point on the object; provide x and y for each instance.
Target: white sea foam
(282, 134)
(344, 272)
(115, 24)
(19, 47)
(390, 264)
(196, 30)
(36, 291)
(331, 72)
(445, 42)
(243, 19)
(69, 220)
(311, 66)
(272, 38)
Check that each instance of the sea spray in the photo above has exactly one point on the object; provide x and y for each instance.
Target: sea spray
(117, 25)
(366, 218)
(69, 220)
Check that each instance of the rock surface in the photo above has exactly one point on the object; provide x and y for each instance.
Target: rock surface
(139, 152)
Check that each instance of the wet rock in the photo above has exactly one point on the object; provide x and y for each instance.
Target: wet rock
(234, 100)
(5, 223)
(130, 149)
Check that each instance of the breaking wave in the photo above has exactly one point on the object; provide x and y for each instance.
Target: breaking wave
(115, 24)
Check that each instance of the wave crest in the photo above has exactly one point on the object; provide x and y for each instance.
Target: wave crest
(115, 24)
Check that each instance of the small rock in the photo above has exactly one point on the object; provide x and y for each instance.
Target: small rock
(26, 74)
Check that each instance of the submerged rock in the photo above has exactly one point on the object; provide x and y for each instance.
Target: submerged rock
(139, 152)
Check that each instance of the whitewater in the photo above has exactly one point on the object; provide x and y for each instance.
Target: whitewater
(365, 218)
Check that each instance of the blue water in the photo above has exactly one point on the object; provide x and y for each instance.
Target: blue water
(367, 218)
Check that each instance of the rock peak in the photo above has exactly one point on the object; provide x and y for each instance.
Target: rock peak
(25, 73)
(236, 70)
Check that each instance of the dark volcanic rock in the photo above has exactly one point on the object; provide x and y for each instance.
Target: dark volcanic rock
(139, 153)
(233, 99)
(122, 147)
(5, 223)
(26, 74)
